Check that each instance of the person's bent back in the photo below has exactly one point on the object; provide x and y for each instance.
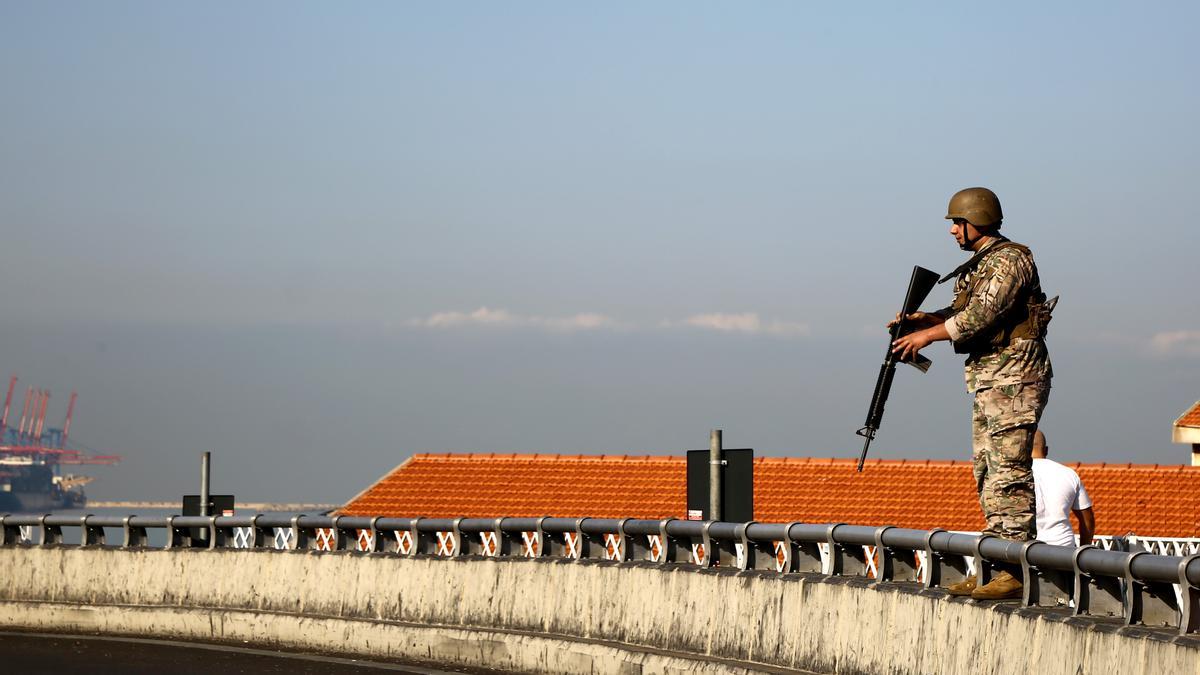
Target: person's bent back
(1059, 493)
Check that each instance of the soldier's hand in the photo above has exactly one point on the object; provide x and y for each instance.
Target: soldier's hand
(918, 320)
(907, 346)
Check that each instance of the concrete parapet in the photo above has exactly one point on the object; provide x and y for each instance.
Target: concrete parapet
(561, 616)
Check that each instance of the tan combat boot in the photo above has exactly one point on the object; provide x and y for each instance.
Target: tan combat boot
(1003, 586)
(962, 588)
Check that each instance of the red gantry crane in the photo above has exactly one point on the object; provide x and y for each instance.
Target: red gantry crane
(12, 383)
(32, 454)
(67, 423)
(25, 412)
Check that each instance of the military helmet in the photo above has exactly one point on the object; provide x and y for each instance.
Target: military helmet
(978, 206)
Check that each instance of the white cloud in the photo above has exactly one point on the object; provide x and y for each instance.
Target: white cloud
(747, 322)
(504, 318)
(583, 321)
(481, 316)
(1176, 343)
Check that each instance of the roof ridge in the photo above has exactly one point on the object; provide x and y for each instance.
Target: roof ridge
(1193, 410)
(544, 457)
(1130, 466)
(830, 461)
(870, 462)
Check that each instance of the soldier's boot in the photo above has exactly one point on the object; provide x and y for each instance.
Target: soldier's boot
(962, 588)
(1003, 586)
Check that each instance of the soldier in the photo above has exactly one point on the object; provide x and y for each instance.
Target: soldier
(998, 319)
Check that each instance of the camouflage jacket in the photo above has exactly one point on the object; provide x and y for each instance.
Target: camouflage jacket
(996, 284)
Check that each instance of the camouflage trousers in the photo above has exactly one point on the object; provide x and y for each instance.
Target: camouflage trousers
(1005, 418)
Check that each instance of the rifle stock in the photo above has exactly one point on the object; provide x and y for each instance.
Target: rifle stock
(919, 286)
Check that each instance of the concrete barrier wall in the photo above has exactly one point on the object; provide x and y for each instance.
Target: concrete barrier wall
(555, 616)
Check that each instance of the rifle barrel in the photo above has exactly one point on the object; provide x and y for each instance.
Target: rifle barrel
(862, 457)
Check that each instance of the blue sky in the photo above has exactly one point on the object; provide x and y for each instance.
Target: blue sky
(317, 239)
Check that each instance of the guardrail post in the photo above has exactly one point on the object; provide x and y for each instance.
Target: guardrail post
(633, 546)
(388, 541)
(801, 556)
(1147, 602)
(943, 569)
(421, 543)
(258, 535)
(338, 536)
(344, 538)
(581, 546)
(892, 564)
(9, 534)
(177, 537)
(300, 539)
(552, 544)
(589, 546)
(626, 549)
(374, 545)
(51, 534)
(1095, 595)
(1189, 610)
(90, 535)
(708, 546)
(844, 560)
(549, 544)
(719, 553)
(505, 542)
(135, 536)
(215, 537)
(1043, 587)
(671, 550)
(756, 555)
(462, 544)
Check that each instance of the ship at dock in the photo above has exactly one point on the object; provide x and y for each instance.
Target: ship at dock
(34, 458)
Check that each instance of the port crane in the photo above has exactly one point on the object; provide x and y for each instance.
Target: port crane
(32, 455)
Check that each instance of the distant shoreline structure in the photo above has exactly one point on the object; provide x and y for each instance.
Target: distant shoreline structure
(248, 506)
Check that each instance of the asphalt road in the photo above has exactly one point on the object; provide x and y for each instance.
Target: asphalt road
(65, 654)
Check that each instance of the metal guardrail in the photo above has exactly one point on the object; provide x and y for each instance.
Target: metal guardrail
(1141, 587)
(1176, 546)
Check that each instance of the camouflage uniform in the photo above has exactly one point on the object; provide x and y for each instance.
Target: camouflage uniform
(1009, 373)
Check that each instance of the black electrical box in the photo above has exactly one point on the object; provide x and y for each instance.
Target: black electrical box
(218, 505)
(738, 503)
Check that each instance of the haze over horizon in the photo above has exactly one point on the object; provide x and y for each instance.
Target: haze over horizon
(317, 240)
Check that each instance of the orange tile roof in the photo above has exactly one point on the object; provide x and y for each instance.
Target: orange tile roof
(1191, 418)
(1150, 500)
(887, 492)
(481, 485)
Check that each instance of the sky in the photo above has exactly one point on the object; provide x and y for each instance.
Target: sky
(315, 240)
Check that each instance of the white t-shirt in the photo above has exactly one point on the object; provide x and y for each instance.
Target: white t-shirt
(1059, 491)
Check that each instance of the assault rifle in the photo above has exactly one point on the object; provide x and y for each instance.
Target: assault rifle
(919, 286)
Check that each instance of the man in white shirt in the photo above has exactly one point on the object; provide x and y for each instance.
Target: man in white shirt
(1059, 494)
